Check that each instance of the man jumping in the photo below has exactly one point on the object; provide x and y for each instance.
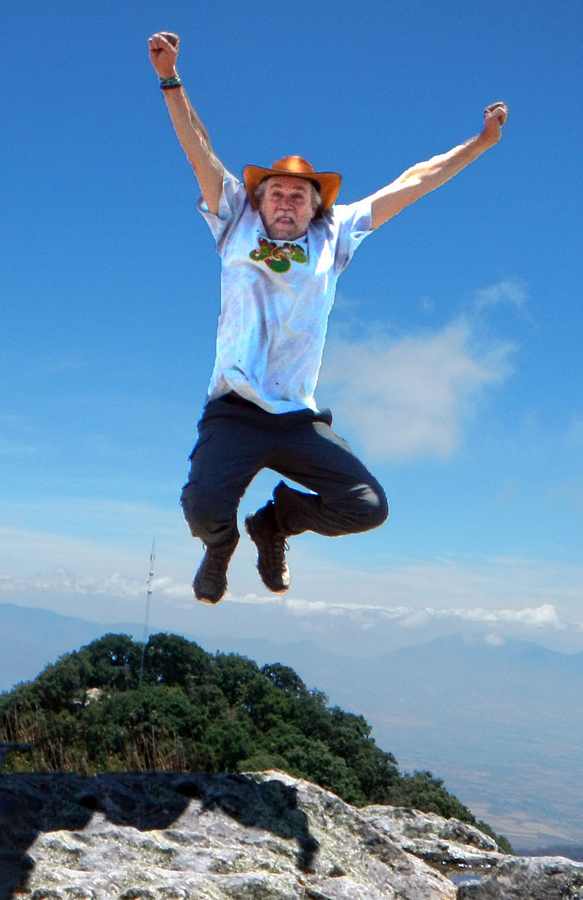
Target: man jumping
(283, 243)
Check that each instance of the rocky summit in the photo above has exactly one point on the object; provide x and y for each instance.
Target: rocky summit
(522, 878)
(256, 836)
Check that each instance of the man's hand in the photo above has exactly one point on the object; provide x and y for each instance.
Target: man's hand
(163, 47)
(495, 116)
(190, 131)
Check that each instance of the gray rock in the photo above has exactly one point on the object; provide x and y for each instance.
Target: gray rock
(445, 843)
(261, 836)
(411, 823)
(529, 878)
(454, 847)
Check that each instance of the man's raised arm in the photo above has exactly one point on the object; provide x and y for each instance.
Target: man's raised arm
(424, 177)
(192, 134)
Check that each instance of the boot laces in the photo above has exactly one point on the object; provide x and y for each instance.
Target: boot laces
(216, 558)
(277, 547)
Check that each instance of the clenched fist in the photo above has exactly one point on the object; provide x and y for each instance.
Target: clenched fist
(495, 116)
(163, 49)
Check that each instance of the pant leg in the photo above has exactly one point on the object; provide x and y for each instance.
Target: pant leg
(348, 498)
(227, 456)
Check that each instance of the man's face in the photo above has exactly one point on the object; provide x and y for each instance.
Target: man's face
(286, 207)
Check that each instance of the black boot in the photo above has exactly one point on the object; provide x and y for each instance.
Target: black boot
(271, 545)
(210, 581)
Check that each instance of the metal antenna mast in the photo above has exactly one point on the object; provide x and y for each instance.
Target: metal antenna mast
(148, 604)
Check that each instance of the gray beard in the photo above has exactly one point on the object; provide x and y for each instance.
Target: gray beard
(285, 237)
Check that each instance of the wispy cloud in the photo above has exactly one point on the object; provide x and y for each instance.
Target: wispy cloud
(11, 448)
(361, 614)
(66, 582)
(507, 595)
(412, 396)
(574, 436)
(509, 291)
(419, 580)
(545, 616)
(65, 362)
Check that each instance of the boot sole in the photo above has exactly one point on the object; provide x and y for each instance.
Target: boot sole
(207, 600)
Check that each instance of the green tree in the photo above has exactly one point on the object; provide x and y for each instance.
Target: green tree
(232, 674)
(285, 679)
(172, 660)
(114, 661)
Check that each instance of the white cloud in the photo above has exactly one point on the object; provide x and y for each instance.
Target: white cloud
(412, 396)
(16, 448)
(70, 583)
(509, 291)
(400, 601)
(494, 640)
(115, 584)
(575, 432)
(544, 616)
(169, 589)
(426, 304)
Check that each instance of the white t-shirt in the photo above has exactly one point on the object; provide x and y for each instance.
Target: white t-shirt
(276, 297)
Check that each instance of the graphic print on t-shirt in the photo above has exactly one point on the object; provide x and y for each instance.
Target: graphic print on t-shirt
(274, 315)
(278, 257)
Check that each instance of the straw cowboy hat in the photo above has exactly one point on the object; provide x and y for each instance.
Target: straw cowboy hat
(328, 183)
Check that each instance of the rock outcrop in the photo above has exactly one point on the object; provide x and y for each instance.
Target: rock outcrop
(205, 837)
(524, 878)
(445, 843)
(258, 836)
(457, 849)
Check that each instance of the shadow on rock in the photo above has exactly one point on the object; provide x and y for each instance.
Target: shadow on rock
(31, 805)
(269, 805)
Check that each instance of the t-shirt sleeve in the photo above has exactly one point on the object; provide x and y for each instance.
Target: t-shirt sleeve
(353, 223)
(231, 204)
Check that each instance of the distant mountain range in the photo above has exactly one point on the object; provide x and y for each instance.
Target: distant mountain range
(501, 724)
(30, 638)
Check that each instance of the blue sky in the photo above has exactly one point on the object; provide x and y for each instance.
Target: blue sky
(454, 357)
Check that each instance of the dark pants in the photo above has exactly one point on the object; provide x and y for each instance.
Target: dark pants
(237, 439)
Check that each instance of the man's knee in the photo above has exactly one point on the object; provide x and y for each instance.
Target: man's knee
(194, 513)
(373, 506)
(362, 508)
(379, 507)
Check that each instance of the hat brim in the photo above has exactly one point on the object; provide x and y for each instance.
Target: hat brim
(328, 183)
